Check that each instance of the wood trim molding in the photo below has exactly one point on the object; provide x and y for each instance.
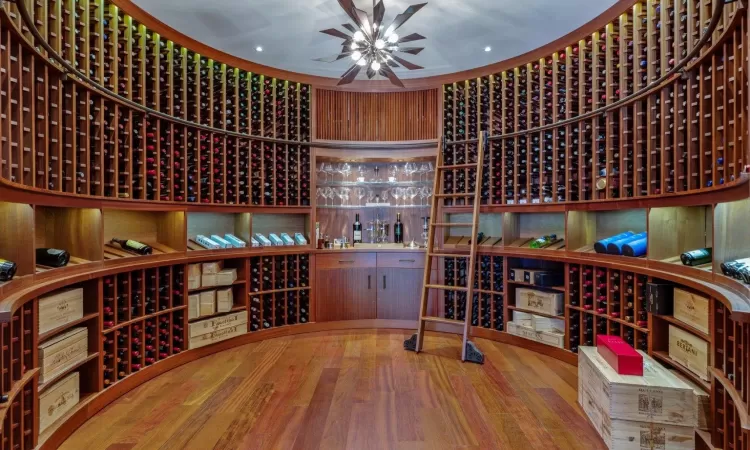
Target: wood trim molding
(168, 32)
(54, 438)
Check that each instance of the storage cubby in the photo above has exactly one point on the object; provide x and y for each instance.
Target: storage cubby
(732, 232)
(16, 243)
(675, 230)
(74, 230)
(164, 232)
(520, 229)
(207, 224)
(584, 228)
(490, 224)
(281, 223)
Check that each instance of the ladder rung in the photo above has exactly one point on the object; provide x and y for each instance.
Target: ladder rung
(447, 255)
(458, 166)
(447, 224)
(446, 288)
(442, 320)
(468, 194)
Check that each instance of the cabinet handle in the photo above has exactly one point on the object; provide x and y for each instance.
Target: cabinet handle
(383, 281)
(369, 278)
(406, 260)
(342, 261)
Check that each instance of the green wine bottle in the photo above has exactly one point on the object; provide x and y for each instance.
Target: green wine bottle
(543, 241)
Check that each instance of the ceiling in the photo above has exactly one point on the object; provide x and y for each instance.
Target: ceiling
(457, 31)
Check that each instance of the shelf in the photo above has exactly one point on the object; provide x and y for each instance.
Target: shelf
(608, 317)
(373, 207)
(664, 357)
(536, 313)
(44, 336)
(684, 326)
(51, 381)
(142, 318)
(278, 290)
(375, 184)
(210, 288)
(534, 286)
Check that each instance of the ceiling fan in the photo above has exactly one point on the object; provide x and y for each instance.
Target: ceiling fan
(372, 44)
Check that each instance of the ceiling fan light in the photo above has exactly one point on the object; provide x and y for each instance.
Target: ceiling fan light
(389, 31)
(358, 36)
(393, 38)
(354, 46)
(375, 66)
(362, 62)
(380, 44)
(356, 56)
(374, 27)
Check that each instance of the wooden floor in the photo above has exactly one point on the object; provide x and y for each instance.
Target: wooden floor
(350, 390)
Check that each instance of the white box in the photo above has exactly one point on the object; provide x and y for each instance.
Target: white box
(212, 267)
(224, 300)
(539, 323)
(194, 306)
(208, 303)
(522, 318)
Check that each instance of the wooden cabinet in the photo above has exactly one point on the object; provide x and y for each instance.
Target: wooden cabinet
(346, 294)
(399, 292)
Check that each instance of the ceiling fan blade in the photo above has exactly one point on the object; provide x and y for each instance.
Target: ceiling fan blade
(406, 63)
(349, 27)
(410, 50)
(334, 58)
(410, 38)
(349, 75)
(391, 76)
(378, 12)
(348, 7)
(336, 33)
(371, 73)
(406, 15)
(392, 63)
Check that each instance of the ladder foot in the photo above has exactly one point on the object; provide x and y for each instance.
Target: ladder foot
(411, 343)
(472, 353)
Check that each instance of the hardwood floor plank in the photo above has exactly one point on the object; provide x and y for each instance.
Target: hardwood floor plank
(350, 389)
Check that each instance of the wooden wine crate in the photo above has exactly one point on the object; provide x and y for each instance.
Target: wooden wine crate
(522, 318)
(691, 309)
(552, 338)
(689, 350)
(238, 329)
(224, 300)
(540, 301)
(212, 267)
(207, 303)
(62, 352)
(208, 280)
(657, 396)
(702, 402)
(194, 306)
(60, 308)
(194, 276)
(540, 323)
(58, 399)
(216, 323)
(226, 277)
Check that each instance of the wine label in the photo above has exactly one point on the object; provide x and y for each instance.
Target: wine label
(134, 244)
(357, 235)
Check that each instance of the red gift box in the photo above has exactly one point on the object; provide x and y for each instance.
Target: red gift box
(620, 356)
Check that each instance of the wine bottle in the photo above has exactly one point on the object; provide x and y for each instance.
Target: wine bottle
(52, 257)
(133, 246)
(696, 257)
(357, 228)
(7, 270)
(398, 230)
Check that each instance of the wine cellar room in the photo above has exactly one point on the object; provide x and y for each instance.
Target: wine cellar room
(355, 224)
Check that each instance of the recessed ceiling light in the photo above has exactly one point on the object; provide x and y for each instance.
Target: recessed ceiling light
(259, 49)
(488, 48)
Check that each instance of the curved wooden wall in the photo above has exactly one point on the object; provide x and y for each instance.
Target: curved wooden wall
(368, 116)
(48, 113)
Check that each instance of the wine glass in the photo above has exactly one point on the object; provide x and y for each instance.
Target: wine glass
(426, 168)
(409, 169)
(345, 169)
(393, 173)
(361, 172)
(396, 194)
(328, 193)
(327, 169)
(425, 193)
(412, 192)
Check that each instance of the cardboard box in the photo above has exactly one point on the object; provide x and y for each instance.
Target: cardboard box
(224, 300)
(194, 306)
(522, 318)
(226, 277)
(207, 303)
(540, 323)
(619, 355)
(212, 267)
(208, 280)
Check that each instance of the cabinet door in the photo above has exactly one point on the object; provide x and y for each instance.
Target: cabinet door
(345, 294)
(399, 292)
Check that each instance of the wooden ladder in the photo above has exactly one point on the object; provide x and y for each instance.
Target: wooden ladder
(469, 351)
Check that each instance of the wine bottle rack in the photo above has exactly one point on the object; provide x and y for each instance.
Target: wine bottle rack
(99, 146)
(606, 301)
(488, 305)
(279, 290)
(681, 137)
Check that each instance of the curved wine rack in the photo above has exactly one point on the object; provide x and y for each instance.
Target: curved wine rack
(125, 119)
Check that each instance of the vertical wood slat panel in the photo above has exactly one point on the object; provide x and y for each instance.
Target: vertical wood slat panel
(364, 116)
